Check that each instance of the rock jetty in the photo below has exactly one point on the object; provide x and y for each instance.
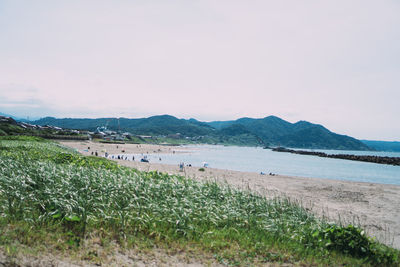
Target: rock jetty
(365, 158)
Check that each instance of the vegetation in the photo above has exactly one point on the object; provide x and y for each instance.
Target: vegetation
(156, 125)
(275, 131)
(245, 131)
(383, 145)
(50, 194)
(9, 127)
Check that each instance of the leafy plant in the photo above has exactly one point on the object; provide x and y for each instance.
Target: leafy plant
(353, 240)
(45, 186)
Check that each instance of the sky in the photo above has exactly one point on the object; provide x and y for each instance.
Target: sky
(335, 63)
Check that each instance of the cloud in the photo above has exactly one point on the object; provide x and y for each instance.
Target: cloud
(316, 61)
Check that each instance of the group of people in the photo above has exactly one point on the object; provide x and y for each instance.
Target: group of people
(271, 174)
(122, 157)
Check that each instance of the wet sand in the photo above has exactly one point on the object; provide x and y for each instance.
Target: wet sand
(375, 207)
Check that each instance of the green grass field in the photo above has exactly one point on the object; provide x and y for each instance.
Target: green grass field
(54, 196)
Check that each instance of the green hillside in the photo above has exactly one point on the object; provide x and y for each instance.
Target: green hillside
(268, 131)
(156, 125)
(383, 145)
(277, 132)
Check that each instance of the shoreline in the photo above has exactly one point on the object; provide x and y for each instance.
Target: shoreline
(375, 207)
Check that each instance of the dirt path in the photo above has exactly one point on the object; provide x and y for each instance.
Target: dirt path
(155, 258)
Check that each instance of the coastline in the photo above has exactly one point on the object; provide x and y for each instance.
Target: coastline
(375, 207)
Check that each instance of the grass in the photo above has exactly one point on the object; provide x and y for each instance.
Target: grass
(50, 195)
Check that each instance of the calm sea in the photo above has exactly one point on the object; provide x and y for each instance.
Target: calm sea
(251, 159)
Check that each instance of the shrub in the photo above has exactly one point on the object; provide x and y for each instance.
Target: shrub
(353, 241)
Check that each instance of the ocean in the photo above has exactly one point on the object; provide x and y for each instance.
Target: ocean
(252, 159)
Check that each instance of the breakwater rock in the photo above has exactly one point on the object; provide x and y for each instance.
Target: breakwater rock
(365, 158)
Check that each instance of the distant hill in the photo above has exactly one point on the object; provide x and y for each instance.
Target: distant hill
(383, 145)
(271, 131)
(277, 132)
(155, 125)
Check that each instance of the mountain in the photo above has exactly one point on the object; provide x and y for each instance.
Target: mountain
(317, 136)
(277, 132)
(270, 130)
(220, 124)
(155, 125)
(383, 145)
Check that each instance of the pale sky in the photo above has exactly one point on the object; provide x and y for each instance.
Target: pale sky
(336, 63)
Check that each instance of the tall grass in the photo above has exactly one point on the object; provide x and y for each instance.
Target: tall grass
(42, 184)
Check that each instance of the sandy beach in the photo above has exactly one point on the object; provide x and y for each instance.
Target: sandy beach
(375, 207)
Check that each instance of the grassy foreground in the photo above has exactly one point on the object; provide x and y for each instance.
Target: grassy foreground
(54, 196)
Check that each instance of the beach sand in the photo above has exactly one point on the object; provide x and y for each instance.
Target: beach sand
(375, 207)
